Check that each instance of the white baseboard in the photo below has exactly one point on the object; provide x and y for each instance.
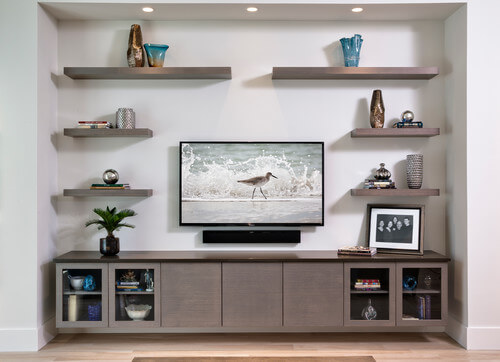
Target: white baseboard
(47, 332)
(18, 340)
(456, 330)
(483, 338)
(27, 339)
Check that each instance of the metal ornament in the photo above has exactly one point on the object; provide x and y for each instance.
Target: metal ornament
(135, 51)
(382, 173)
(414, 170)
(407, 116)
(125, 118)
(377, 110)
(110, 176)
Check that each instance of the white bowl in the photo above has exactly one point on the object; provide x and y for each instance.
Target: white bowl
(138, 312)
(77, 282)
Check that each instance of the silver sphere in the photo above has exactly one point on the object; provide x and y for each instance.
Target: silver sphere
(407, 116)
(110, 176)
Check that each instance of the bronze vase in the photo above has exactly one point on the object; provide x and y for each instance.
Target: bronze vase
(377, 110)
(135, 52)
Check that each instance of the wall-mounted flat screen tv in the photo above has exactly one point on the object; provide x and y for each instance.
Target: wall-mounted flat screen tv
(252, 183)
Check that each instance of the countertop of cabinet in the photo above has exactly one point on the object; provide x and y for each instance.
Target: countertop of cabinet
(242, 256)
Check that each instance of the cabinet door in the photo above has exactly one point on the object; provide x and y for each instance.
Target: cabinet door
(77, 306)
(191, 294)
(369, 292)
(422, 294)
(251, 294)
(129, 289)
(313, 294)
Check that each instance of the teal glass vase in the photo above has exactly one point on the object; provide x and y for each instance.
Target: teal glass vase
(351, 48)
(156, 54)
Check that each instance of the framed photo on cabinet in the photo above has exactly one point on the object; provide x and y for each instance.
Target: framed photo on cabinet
(396, 228)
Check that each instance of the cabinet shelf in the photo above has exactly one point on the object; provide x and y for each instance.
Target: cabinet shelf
(394, 132)
(121, 192)
(369, 292)
(394, 192)
(108, 132)
(422, 291)
(134, 293)
(148, 73)
(82, 292)
(354, 72)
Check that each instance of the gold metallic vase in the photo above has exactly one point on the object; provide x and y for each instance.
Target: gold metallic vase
(377, 110)
(135, 52)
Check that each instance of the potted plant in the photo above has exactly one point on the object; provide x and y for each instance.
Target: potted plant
(111, 221)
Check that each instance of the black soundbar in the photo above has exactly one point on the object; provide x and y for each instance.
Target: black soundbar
(249, 236)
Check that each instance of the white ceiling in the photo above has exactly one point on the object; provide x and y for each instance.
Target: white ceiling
(237, 11)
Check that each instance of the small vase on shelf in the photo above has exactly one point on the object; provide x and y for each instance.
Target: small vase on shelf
(414, 170)
(351, 48)
(135, 52)
(156, 54)
(369, 312)
(377, 110)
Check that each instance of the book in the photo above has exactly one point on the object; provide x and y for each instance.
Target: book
(126, 283)
(110, 185)
(93, 122)
(357, 250)
(109, 188)
(92, 126)
(427, 307)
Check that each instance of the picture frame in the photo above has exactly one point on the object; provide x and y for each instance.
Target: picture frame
(396, 229)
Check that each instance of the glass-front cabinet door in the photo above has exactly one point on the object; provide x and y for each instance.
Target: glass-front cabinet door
(369, 294)
(134, 295)
(81, 295)
(421, 294)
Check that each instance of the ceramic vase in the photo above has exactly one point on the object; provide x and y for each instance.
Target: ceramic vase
(156, 54)
(135, 52)
(377, 110)
(109, 245)
(414, 170)
(351, 48)
(125, 118)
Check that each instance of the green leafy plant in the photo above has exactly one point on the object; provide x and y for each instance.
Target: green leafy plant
(111, 220)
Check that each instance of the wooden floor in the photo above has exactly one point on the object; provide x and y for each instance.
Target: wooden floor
(382, 346)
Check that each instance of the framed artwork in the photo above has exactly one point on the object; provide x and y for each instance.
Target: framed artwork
(396, 228)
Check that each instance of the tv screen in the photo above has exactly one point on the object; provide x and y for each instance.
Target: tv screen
(251, 183)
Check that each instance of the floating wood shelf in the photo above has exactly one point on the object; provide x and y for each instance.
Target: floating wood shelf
(108, 132)
(395, 132)
(108, 193)
(148, 73)
(354, 72)
(394, 192)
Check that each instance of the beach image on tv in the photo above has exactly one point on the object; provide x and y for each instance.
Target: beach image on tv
(251, 183)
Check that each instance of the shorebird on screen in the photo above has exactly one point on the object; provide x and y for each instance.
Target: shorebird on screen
(258, 181)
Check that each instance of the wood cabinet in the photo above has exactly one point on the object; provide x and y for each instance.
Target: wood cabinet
(191, 294)
(252, 294)
(314, 289)
(312, 294)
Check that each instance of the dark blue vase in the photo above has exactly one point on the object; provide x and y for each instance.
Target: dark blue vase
(89, 283)
(351, 48)
(409, 282)
(156, 54)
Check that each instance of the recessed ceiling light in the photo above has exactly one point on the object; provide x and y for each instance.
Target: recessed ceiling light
(357, 10)
(252, 9)
(147, 9)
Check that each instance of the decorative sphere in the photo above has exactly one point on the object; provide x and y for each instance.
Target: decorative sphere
(110, 176)
(407, 116)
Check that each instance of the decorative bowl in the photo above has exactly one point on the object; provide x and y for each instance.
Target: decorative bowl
(138, 312)
(76, 282)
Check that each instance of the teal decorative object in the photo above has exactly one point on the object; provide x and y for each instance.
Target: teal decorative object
(89, 283)
(409, 282)
(156, 54)
(351, 48)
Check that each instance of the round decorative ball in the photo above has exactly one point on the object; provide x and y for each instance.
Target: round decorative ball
(407, 116)
(110, 176)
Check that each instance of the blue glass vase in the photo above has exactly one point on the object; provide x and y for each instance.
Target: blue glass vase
(156, 54)
(351, 48)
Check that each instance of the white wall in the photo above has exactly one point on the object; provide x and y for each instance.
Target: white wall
(455, 73)
(46, 174)
(18, 176)
(249, 107)
(483, 159)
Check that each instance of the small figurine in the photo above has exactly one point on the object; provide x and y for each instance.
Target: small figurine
(407, 118)
(129, 276)
(148, 279)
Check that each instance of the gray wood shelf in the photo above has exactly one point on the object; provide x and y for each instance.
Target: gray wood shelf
(422, 291)
(81, 292)
(108, 132)
(369, 292)
(354, 72)
(134, 293)
(394, 192)
(148, 73)
(394, 132)
(108, 193)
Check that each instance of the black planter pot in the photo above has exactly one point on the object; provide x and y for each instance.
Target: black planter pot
(109, 245)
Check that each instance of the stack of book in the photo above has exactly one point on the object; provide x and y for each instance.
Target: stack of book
(110, 187)
(408, 125)
(367, 284)
(128, 286)
(379, 184)
(424, 307)
(357, 250)
(93, 124)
